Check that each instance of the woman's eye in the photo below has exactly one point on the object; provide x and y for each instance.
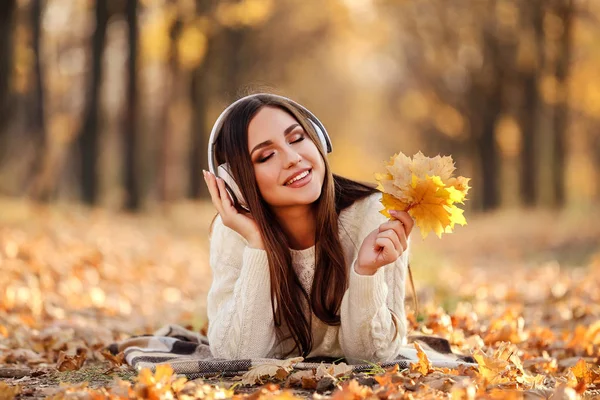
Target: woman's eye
(263, 159)
(301, 138)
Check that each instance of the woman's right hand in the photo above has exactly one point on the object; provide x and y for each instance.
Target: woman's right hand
(243, 224)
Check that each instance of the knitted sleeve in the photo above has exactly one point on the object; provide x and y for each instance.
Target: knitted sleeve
(373, 321)
(239, 300)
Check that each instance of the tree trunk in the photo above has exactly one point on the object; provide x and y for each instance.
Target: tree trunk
(130, 125)
(200, 136)
(533, 16)
(487, 103)
(488, 154)
(166, 147)
(561, 109)
(200, 93)
(7, 21)
(235, 61)
(40, 188)
(88, 137)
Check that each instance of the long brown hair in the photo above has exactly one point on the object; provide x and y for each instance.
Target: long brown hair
(288, 298)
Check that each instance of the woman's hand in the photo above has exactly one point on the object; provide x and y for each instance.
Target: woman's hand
(385, 244)
(243, 224)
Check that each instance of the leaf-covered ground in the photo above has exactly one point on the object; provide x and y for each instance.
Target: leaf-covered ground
(518, 290)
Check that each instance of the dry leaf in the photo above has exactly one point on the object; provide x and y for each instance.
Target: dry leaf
(333, 370)
(71, 363)
(309, 383)
(352, 390)
(423, 366)
(115, 360)
(491, 369)
(585, 375)
(25, 356)
(278, 369)
(296, 377)
(9, 392)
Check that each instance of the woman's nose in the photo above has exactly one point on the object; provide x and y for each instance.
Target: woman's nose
(292, 158)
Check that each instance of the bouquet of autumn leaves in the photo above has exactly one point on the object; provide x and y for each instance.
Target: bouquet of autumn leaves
(425, 188)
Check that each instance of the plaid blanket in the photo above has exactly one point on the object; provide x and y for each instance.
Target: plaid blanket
(189, 354)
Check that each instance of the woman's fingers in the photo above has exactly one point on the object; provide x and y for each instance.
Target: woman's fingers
(224, 196)
(388, 252)
(211, 183)
(393, 236)
(398, 227)
(218, 193)
(405, 219)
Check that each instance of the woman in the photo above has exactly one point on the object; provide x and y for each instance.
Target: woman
(303, 263)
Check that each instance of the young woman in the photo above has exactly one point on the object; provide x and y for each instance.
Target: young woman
(303, 262)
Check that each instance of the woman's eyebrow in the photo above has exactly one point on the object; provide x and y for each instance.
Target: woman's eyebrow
(266, 143)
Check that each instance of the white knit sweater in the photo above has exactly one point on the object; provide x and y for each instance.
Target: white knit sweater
(239, 301)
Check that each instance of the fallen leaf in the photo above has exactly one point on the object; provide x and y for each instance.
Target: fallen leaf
(71, 363)
(491, 369)
(278, 369)
(423, 366)
(9, 392)
(115, 360)
(585, 375)
(352, 390)
(296, 377)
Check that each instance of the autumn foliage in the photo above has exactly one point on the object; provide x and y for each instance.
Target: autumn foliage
(68, 289)
(427, 189)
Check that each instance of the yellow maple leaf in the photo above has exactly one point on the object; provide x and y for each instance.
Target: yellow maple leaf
(391, 203)
(426, 189)
(490, 368)
(428, 207)
(383, 178)
(460, 183)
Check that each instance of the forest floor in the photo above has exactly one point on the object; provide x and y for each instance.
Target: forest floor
(518, 289)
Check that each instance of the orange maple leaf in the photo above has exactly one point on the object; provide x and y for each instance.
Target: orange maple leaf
(423, 365)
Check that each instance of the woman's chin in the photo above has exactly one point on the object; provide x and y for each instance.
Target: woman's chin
(299, 199)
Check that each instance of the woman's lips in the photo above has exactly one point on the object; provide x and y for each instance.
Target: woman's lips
(301, 182)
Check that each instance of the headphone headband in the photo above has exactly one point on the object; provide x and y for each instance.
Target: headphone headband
(216, 129)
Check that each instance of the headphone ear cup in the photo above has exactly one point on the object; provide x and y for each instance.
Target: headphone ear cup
(321, 135)
(233, 189)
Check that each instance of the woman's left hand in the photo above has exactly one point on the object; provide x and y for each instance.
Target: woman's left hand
(385, 244)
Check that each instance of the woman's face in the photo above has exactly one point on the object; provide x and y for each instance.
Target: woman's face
(288, 166)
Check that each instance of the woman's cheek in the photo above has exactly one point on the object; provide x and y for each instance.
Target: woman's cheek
(266, 177)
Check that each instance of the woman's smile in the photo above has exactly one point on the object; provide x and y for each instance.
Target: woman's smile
(300, 179)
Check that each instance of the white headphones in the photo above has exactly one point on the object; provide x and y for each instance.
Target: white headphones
(223, 171)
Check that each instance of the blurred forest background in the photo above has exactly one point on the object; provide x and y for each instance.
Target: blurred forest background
(110, 102)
